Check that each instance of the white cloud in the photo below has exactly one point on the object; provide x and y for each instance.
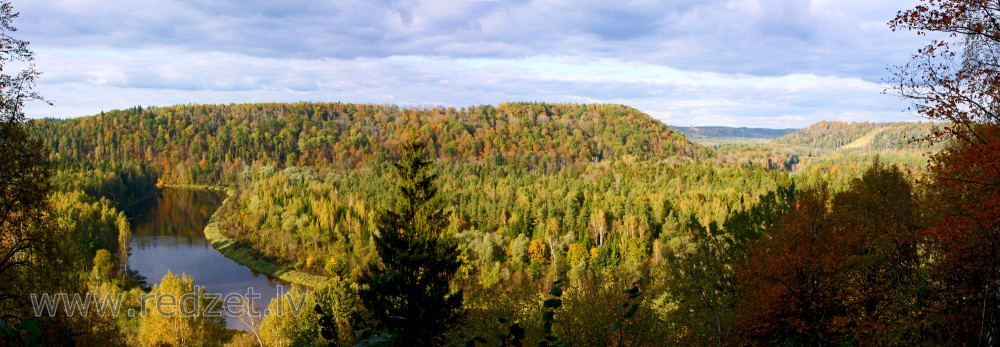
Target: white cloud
(86, 84)
(733, 62)
(749, 36)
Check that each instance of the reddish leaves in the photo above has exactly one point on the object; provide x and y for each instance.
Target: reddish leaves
(963, 195)
(836, 272)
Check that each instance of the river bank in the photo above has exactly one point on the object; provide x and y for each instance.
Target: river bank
(244, 255)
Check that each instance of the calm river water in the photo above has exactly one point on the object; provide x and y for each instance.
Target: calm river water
(170, 237)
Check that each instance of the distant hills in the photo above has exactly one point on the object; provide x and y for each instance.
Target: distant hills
(694, 132)
(861, 135)
(825, 135)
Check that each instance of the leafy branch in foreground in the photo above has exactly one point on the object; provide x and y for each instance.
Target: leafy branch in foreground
(629, 309)
(514, 337)
(551, 304)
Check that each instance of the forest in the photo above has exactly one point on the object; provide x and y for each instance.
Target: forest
(536, 223)
(693, 227)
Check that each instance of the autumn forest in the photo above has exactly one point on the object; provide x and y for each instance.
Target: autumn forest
(525, 223)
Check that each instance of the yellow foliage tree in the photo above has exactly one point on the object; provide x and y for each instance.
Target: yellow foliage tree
(283, 327)
(176, 314)
(577, 254)
(537, 251)
(103, 266)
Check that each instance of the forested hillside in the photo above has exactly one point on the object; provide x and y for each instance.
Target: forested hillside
(517, 224)
(212, 144)
(309, 177)
(833, 152)
(596, 198)
(863, 135)
(534, 192)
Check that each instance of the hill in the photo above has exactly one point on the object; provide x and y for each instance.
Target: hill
(861, 135)
(589, 194)
(203, 144)
(693, 132)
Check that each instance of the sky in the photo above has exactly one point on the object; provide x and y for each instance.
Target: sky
(752, 63)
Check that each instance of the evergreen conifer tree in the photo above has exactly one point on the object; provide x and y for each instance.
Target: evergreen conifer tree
(409, 291)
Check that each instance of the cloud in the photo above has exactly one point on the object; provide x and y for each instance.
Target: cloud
(126, 78)
(748, 36)
(729, 62)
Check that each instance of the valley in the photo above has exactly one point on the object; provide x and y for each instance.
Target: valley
(534, 192)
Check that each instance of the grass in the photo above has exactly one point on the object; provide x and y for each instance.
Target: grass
(228, 191)
(245, 256)
(865, 140)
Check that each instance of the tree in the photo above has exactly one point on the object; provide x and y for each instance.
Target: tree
(887, 277)
(409, 293)
(28, 254)
(281, 328)
(954, 78)
(598, 226)
(175, 315)
(251, 318)
(791, 288)
(840, 270)
(963, 222)
(701, 276)
(957, 79)
(103, 267)
(697, 282)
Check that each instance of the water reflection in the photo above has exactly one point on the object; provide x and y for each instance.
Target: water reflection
(169, 236)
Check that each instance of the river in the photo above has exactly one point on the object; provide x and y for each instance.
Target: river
(170, 236)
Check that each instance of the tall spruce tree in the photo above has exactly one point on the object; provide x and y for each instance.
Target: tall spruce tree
(409, 292)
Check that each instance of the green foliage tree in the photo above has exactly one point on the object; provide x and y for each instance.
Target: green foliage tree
(698, 282)
(409, 292)
(103, 267)
(87, 225)
(29, 249)
(282, 328)
(700, 278)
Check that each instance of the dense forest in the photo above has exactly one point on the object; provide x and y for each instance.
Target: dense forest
(211, 144)
(522, 223)
(875, 136)
(644, 206)
(535, 192)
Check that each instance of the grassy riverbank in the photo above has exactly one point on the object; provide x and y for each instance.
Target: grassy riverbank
(243, 255)
(225, 190)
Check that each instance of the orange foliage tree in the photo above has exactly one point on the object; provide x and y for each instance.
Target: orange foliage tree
(840, 270)
(956, 79)
(792, 280)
